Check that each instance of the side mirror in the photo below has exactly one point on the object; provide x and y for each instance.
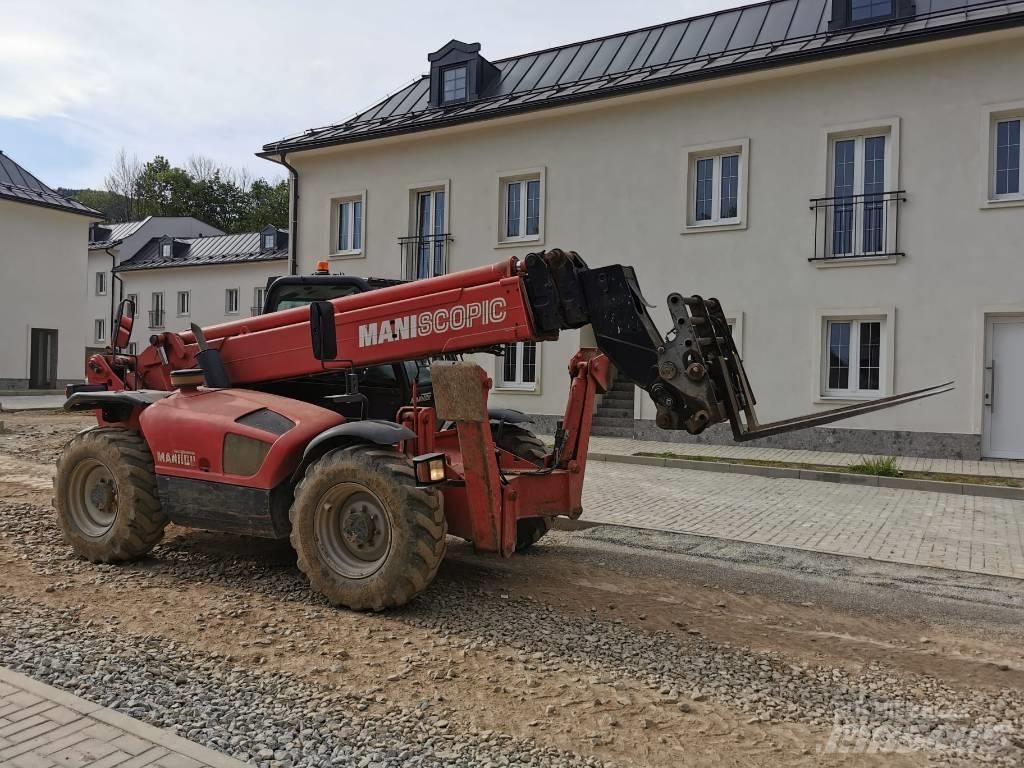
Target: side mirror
(323, 335)
(123, 322)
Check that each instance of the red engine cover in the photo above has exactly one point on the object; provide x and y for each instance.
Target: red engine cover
(187, 431)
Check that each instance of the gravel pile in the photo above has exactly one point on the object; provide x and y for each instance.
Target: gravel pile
(267, 718)
(899, 711)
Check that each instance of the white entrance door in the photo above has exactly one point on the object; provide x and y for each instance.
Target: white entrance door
(1004, 387)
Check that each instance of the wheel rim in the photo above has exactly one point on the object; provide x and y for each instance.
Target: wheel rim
(353, 530)
(92, 498)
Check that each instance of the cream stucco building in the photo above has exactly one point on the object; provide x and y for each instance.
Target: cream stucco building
(42, 294)
(177, 281)
(843, 174)
(110, 245)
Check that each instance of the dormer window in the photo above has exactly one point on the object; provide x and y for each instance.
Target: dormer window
(454, 83)
(165, 250)
(865, 10)
(855, 13)
(269, 241)
(458, 74)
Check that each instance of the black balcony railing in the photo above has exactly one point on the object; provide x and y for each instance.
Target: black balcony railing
(156, 318)
(253, 311)
(857, 226)
(424, 255)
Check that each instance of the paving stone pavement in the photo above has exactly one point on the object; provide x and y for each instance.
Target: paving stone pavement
(44, 727)
(964, 533)
(627, 447)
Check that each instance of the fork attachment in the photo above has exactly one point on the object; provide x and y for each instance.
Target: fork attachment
(703, 350)
(694, 374)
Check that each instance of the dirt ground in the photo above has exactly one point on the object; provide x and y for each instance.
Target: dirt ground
(213, 592)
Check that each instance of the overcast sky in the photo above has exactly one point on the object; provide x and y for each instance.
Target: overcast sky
(80, 80)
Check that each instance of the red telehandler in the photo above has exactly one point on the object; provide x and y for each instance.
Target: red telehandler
(260, 426)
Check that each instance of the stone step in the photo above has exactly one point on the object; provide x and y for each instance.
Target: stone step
(612, 431)
(614, 413)
(615, 400)
(622, 386)
(604, 421)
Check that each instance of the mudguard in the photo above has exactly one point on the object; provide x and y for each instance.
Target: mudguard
(508, 415)
(369, 431)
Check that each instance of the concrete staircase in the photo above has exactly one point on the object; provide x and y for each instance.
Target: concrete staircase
(614, 416)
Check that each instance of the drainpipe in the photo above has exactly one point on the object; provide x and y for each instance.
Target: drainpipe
(113, 277)
(293, 227)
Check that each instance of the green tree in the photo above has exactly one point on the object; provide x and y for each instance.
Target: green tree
(267, 204)
(113, 206)
(222, 197)
(163, 190)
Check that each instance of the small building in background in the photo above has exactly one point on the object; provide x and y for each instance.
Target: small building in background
(177, 281)
(42, 295)
(109, 245)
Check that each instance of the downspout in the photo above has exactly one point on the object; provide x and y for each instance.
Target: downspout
(113, 277)
(293, 227)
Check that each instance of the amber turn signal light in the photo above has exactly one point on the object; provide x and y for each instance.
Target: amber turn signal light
(429, 468)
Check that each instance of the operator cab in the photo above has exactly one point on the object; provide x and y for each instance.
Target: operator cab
(386, 387)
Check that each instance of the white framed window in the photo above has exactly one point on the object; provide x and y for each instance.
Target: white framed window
(1008, 158)
(133, 347)
(858, 180)
(454, 84)
(522, 207)
(101, 283)
(134, 299)
(856, 215)
(716, 186)
(269, 241)
(184, 303)
(1004, 131)
(165, 250)
(425, 251)
(348, 225)
(231, 301)
(156, 310)
(856, 356)
(259, 296)
(519, 366)
(100, 331)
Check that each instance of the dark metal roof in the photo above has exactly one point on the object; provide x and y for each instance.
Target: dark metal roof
(768, 34)
(202, 251)
(21, 186)
(118, 234)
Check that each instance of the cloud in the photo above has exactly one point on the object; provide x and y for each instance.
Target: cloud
(42, 76)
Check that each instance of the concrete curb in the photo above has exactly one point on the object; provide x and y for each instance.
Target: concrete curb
(150, 733)
(902, 483)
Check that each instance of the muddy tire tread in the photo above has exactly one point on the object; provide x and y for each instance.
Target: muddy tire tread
(140, 522)
(421, 515)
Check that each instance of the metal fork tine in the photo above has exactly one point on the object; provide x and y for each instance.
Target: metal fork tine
(836, 414)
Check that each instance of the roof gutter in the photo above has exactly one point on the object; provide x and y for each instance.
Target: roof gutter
(293, 214)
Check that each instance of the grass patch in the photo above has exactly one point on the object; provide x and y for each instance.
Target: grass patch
(876, 466)
(880, 466)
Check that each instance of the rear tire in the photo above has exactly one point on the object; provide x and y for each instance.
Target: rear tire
(522, 443)
(366, 537)
(106, 497)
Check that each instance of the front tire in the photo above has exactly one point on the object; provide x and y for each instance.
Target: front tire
(106, 497)
(366, 537)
